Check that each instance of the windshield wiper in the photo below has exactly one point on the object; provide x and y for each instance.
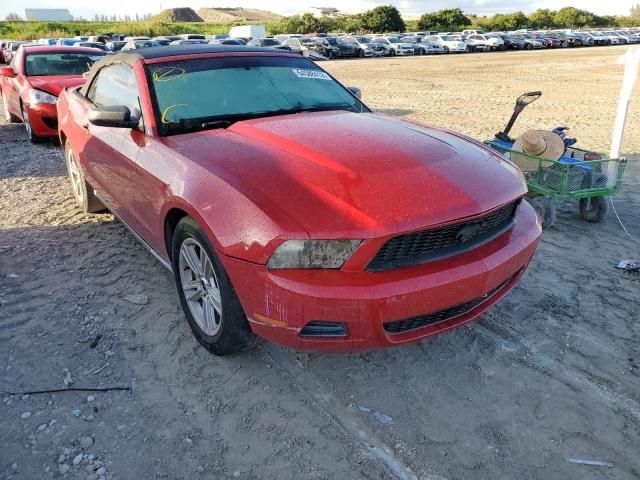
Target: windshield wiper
(217, 124)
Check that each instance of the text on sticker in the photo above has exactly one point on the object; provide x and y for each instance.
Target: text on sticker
(315, 74)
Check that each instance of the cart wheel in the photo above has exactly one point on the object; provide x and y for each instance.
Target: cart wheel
(594, 209)
(545, 209)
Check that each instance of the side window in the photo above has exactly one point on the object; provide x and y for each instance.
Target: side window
(116, 85)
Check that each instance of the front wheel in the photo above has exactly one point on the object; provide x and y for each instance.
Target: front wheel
(594, 209)
(82, 191)
(29, 128)
(446, 49)
(360, 53)
(208, 299)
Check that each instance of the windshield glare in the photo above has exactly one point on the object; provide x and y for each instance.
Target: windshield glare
(42, 64)
(192, 95)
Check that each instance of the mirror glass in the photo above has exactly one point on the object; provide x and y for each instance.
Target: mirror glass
(527, 98)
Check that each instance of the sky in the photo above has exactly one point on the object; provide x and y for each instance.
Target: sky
(88, 9)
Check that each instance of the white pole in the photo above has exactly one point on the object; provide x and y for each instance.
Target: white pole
(631, 62)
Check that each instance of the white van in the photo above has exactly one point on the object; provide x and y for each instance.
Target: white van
(248, 32)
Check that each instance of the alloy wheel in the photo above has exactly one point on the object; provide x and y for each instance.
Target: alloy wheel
(7, 114)
(200, 286)
(75, 177)
(26, 122)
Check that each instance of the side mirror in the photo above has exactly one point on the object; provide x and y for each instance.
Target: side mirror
(116, 117)
(356, 91)
(7, 72)
(527, 98)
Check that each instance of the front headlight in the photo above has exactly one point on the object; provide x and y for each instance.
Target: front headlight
(36, 97)
(312, 253)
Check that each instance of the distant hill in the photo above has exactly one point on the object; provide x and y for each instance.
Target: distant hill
(173, 15)
(231, 15)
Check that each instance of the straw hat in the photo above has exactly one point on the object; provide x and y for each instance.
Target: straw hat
(539, 143)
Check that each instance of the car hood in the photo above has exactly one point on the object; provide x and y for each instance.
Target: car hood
(350, 175)
(54, 84)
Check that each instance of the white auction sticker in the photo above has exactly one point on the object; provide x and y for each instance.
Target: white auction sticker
(315, 74)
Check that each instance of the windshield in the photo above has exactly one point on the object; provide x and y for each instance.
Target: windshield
(363, 39)
(41, 64)
(333, 41)
(203, 93)
(269, 41)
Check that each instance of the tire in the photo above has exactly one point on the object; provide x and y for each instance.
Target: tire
(528, 46)
(360, 53)
(446, 49)
(33, 138)
(227, 331)
(392, 53)
(9, 117)
(594, 209)
(82, 191)
(422, 51)
(545, 209)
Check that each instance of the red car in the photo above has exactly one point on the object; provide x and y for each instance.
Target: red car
(286, 208)
(30, 85)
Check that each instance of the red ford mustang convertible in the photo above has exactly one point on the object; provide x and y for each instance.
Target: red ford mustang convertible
(285, 208)
(31, 84)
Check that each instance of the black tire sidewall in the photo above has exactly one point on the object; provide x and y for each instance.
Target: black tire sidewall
(235, 334)
(594, 209)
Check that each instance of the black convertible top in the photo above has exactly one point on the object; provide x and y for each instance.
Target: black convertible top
(130, 57)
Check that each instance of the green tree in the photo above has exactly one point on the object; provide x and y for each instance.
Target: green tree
(383, 19)
(571, 17)
(509, 21)
(542, 18)
(444, 20)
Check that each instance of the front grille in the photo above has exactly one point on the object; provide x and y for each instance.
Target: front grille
(413, 323)
(437, 243)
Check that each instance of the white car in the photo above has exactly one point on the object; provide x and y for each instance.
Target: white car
(628, 36)
(494, 43)
(448, 43)
(473, 45)
(473, 32)
(613, 38)
(365, 46)
(394, 46)
(432, 46)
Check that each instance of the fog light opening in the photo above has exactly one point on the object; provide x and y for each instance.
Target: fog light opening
(320, 329)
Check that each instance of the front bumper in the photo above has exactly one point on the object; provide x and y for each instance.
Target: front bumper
(44, 119)
(279, 303)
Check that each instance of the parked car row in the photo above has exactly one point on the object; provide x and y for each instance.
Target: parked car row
(168, 139)
(342, 45)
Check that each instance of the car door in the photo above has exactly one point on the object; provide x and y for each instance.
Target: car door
(11, 87)
(109, 154)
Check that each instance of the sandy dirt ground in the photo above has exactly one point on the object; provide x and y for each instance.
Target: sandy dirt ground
(551, 373)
